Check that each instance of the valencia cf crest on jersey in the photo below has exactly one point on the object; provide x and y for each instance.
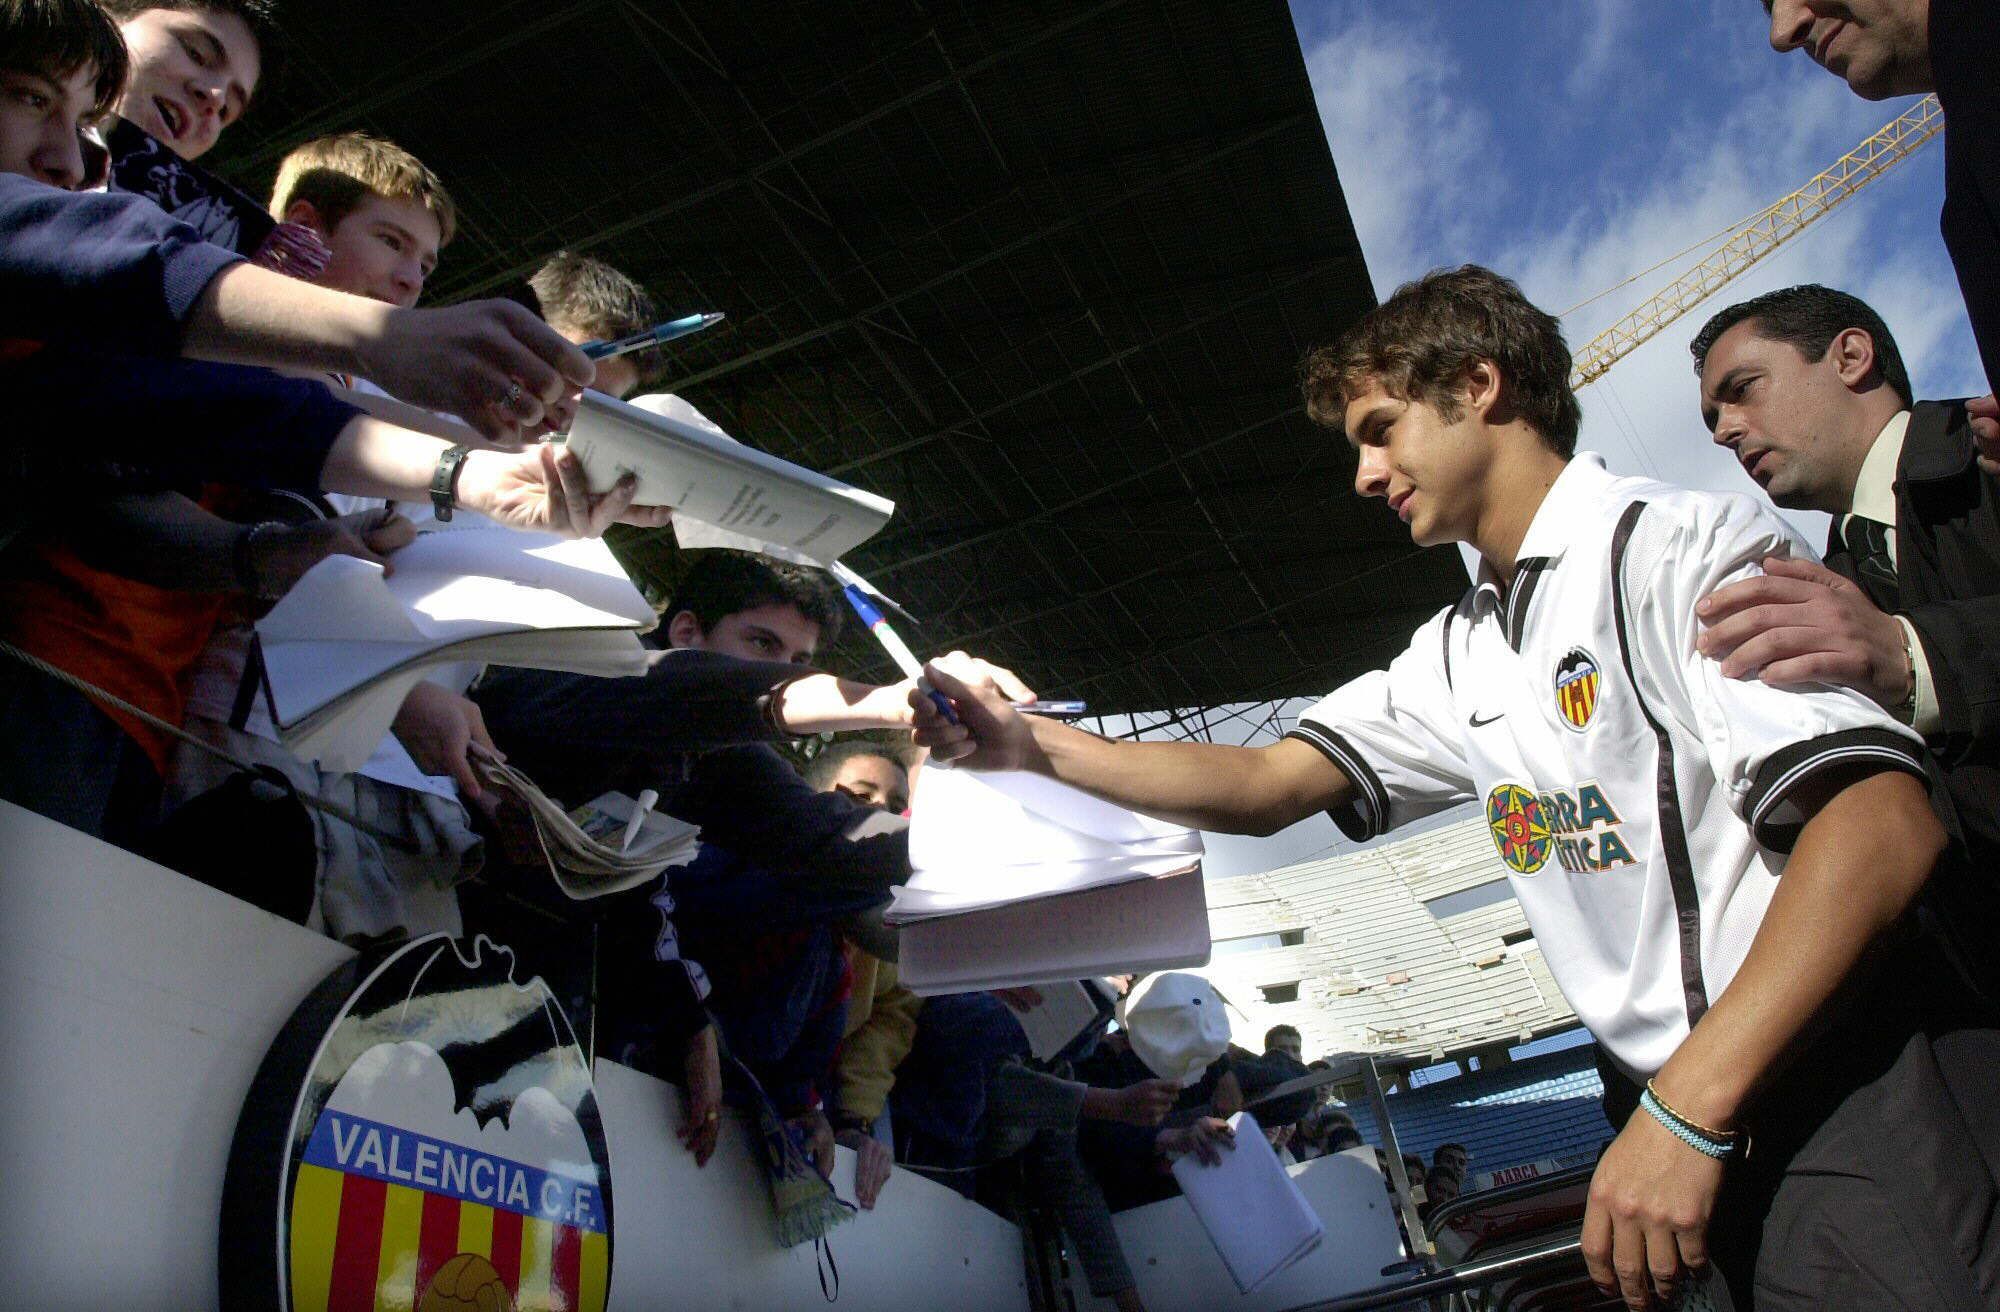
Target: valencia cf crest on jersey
(1520, 827)
(1577, 686)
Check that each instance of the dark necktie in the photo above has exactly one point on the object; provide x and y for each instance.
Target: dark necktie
(1868, 541)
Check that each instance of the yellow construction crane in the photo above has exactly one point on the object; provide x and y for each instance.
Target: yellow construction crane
(1769, 229)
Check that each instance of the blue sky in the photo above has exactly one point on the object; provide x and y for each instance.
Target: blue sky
(1571, 144)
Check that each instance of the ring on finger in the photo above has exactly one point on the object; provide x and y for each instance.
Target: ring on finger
(513, 396)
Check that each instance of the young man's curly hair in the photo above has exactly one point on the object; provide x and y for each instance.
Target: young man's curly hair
(1419, 344)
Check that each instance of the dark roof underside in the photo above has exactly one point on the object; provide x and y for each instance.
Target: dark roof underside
(1040, 272)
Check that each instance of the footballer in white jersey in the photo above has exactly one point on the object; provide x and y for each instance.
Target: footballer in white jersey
(1637, 799)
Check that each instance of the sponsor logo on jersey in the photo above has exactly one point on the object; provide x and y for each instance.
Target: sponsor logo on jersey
(433, 1139)
(1576, 688)
(1520, 827)
(1587, 829)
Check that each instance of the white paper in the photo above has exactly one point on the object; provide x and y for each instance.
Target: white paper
(341, 732)
(1065, 1009)
(347, 643)
(1137, 926)
(710, 478)
(1253, 1211)
(984, 840)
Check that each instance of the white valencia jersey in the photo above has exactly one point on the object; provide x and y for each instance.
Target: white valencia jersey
(1639, 800)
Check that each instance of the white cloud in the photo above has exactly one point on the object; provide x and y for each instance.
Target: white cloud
(1594, 66)
(1403, 141)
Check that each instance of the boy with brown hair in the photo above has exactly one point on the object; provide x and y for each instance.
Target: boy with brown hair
(586, 300)
(380, 211)
(61, 66)
(195, 66)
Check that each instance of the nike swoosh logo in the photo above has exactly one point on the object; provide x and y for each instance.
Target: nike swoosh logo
(1478, 723)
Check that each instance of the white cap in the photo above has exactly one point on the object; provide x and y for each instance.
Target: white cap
(1176, 1024)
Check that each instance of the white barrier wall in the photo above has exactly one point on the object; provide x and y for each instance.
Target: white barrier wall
(135, 1005)
(1178, 1269)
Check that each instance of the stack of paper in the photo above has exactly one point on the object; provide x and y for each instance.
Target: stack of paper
(1253, 1211)
(684, 461)
(347, 643)
(585, 848)
(1016, 879)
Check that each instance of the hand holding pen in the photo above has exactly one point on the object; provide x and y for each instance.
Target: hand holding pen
(988, 730)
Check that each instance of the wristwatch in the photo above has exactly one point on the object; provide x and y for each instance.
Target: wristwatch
(1905, 711)
(444, 482)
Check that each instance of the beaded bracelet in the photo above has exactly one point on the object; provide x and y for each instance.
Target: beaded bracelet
(1686, 1132)
(1708, 1131)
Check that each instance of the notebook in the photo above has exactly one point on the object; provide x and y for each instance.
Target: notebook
(710, 478)
(1016, 879)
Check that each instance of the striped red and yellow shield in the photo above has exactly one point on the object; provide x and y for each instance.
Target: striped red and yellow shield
(364, 1243)
(1576, 687)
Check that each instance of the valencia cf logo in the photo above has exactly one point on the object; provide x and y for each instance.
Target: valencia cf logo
(1576, 688)
(422, 1135)
(1520, 828)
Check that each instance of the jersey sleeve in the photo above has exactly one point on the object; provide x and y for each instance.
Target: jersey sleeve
(1395, 734)
(1762, 742)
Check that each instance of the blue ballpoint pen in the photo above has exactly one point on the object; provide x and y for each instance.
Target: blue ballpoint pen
(665, 332)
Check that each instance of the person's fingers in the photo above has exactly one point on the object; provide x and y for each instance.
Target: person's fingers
(948, 683)
(389, 535)
(1845, 669)
(1628, 1263)
(553, 492)
(1597, 1245)
(1762, 590)
(1803, 570)
(346, 543)
(612, 505)
(575, 491)
(550, 346)
(542, 384)
(1761, 650)
(484, 388)
(1725, 636)
(463, 774)
(647, 516)
(1011, 684)
(1663, 1261)
(1692, 1241)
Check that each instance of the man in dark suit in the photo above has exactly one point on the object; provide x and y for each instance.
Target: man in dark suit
(1884, 48)
(1807, 388)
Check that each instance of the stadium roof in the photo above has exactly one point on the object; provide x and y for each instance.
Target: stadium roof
(1040, 272)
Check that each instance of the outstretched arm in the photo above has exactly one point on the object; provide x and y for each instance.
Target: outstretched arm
(1244, 790)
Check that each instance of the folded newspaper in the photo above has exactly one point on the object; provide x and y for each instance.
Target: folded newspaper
(584, 846)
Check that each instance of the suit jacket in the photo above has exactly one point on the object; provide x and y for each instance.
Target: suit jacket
(1963, 34)
(1948, 570)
